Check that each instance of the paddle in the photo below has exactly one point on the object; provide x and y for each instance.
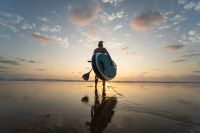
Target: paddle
(86, 75)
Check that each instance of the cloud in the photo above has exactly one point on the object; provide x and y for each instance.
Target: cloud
(181, 2)
(4, 71)
(117, 27)
(13, 18)
(164, 27)
(194, 51)
(14, 22)
(88, 40)
(178, 61)
(144, 73)
(113, 2)
(177, 29)
(93, 31)
(7, 61)
(159, 36)
(127, 50)
(175, 47)
(189, 5)
(197, 6)
(41, 69)
(10, 21)
(192, 5)
(42, 38)
(113, 43)
(192, 32)
(26, 25)
(106, 17)
(28, 61)
(89, 37)
(3, 67)
(43, 19)
(10, 62)
(177, 19)
(146, 20)
(196, 71)
(84, 13)
(9, 26)
(51, 39)
(127, 35)
(171, 21)
(191, 55)
(170, 78)
(55, 28)
(191, 77)
(194, 36)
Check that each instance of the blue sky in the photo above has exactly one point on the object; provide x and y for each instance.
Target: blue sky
(148, 39)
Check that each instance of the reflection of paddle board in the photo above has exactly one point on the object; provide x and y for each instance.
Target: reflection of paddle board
(104, 68)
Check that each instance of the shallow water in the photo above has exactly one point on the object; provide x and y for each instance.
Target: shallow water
(58, 107)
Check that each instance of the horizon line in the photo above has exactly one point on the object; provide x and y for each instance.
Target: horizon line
(73, 80)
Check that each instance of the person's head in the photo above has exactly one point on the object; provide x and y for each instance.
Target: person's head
(100, 44)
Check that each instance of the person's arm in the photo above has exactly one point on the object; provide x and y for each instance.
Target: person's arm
(94, 51)
(108, 54)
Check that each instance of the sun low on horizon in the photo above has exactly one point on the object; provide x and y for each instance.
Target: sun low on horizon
(154, 40)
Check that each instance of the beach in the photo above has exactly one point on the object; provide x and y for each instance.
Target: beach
(34, 106)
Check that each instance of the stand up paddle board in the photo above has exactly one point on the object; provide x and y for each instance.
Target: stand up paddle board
(103, 67)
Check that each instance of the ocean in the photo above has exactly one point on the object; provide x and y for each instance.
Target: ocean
(82, 107)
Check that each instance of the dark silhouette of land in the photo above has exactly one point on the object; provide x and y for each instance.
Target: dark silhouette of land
(116, 81)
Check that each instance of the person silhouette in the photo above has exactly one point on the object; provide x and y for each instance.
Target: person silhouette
(103, 50)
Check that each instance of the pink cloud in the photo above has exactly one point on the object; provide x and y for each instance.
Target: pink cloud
(51, 39)
(127, 50)
(82, 15)
(146, 20)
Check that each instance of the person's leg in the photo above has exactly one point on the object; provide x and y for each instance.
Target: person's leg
(104, 89)
(104, 83)
(96, 80)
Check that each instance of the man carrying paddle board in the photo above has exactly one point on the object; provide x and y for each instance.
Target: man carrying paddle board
(102, 65)
(103, 50)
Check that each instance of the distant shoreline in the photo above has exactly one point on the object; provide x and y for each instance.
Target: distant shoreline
(63, 80)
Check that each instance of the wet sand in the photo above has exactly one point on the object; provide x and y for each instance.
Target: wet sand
(64, 107)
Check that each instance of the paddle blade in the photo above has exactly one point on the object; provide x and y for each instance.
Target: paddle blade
(86, 76)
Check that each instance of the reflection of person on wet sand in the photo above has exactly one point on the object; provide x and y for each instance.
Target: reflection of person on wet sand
(101, 112)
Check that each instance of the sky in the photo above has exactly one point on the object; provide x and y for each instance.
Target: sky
(156, 40)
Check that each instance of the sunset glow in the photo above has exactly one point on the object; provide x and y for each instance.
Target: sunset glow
(150, 40)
